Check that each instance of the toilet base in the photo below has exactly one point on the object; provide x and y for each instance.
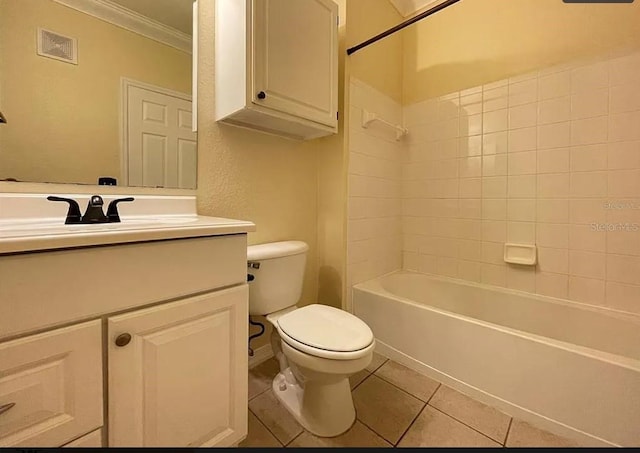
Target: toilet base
(323, 409)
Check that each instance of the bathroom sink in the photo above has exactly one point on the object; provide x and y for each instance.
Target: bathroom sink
(30, 223)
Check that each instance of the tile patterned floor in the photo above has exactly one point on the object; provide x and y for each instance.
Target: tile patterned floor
(395, 407)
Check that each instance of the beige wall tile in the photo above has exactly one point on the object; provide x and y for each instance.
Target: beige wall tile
(553, 285)
(523, 139)
(590, 104)
(553, 260)
(494, 275)
(589, 157)
(555, 85)
(539, 158)
(521, 278)
(554, 160)
(587, 264)
(623, 297)
(587, 290)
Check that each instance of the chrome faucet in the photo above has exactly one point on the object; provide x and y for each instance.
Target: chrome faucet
(94, 212)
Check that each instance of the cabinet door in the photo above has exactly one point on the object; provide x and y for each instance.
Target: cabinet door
(51, 386)
(181, 380)
(295, 58)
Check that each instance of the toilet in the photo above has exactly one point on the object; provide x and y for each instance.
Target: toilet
(317, 346)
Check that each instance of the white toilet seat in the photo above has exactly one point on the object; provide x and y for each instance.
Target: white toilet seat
(326, 332)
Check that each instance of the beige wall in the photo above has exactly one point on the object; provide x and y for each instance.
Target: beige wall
(475, 42)
(378, 65)
(63, 123)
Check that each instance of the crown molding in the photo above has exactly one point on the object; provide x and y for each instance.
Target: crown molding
(132, 21)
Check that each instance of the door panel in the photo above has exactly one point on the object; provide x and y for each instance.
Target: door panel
(158, 131)
(295, 57)
(181, 381)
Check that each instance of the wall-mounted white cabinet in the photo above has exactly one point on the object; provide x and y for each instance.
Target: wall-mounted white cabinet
(276, 66)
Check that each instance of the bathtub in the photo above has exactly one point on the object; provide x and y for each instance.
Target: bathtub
(567, 367)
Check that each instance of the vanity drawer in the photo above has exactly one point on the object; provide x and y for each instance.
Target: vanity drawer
(41, 290)
(51, 386)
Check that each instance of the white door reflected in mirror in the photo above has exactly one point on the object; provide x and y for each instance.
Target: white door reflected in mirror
(159, 146)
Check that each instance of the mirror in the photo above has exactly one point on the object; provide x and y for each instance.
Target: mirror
(97, 92)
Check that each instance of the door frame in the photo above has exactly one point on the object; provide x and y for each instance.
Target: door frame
(125, 84)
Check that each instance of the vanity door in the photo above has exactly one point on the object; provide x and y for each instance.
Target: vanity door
(178, 373)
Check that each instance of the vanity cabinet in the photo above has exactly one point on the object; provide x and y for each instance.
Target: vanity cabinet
(158, 327)
(178, 374)
(276, 66)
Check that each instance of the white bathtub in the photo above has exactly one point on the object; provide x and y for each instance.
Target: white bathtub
(570, 368)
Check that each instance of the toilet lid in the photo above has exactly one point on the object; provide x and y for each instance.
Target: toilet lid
(327, 328)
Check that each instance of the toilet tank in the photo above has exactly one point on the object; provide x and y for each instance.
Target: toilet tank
(278, 271)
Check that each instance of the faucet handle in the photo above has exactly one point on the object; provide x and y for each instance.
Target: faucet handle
(73, 214)
(112, 210)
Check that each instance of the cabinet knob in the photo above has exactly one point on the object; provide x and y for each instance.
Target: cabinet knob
(123, 339)
(262, 95)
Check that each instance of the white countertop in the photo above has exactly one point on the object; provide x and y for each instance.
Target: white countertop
(24, 231)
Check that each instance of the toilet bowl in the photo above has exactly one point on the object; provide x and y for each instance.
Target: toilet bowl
(318, 347)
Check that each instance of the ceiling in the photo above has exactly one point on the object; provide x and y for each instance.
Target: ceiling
(173, 13)
(410, 7)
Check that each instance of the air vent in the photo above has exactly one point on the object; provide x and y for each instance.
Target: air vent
(54, 45)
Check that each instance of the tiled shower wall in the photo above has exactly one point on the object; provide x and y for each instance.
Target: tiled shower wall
(550, 158)
(375, 206)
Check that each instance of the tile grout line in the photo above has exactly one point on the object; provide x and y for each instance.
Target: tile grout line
(506, 437)
(426, 403)
(374, 431)
(266, 427)
(463, 423)
(294, 438)
(360, 383)
(257, 395)
(410, 425)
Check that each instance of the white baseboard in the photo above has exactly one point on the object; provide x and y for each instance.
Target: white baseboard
(508, 408)
(260, 355)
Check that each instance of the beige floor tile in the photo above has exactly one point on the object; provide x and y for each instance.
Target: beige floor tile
(412, 382)
(435, 429)
(522, 434)
(275, 417)
(489, 421)
(384, 408)
(261, 376)
(358, 436)
(357, 378)
(259, 436)
(376, 362)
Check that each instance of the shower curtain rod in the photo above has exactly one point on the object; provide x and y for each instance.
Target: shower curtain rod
(400, 26)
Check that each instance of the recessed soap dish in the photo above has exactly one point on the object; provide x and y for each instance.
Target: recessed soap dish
(524, 254)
